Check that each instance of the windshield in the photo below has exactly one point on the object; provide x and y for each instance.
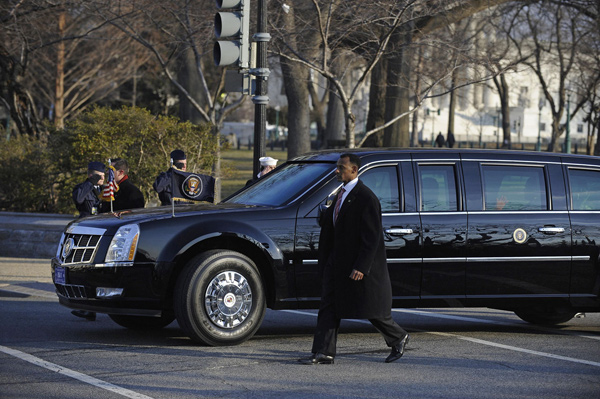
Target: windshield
(283, 185)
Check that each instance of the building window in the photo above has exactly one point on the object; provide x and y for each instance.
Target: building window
(580, 128)
(543, 127)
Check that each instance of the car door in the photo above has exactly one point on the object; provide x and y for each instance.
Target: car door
(584, 210)
(519, 232)
(444, 227)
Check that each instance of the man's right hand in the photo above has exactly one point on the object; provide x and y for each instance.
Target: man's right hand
(95, 179)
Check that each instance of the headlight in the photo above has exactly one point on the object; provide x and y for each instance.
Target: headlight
(124, 244)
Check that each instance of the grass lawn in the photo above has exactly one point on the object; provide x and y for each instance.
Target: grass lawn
(236, 167)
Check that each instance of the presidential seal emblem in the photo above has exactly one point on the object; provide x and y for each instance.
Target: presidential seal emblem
(68, 247)
(192, 186)
(519, 235)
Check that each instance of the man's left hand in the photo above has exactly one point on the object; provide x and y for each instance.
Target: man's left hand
(356, 275)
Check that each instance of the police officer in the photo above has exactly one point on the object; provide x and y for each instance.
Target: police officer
(86, 195)
(162, 184)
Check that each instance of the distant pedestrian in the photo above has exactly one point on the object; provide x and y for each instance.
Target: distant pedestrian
(450, 140)
(440, 141)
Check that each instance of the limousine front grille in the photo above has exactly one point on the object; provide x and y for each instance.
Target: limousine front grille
(71, 291)
(78, 248)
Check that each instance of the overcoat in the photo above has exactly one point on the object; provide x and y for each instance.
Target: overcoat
(356, 242)
(128, 197)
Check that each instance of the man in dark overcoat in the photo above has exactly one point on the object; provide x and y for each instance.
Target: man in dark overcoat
(356, 281)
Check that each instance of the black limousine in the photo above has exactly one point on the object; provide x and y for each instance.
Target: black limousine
(509, 230)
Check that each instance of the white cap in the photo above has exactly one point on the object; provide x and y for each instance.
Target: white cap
(267, 161)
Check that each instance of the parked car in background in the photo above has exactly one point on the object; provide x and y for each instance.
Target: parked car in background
(463, 228)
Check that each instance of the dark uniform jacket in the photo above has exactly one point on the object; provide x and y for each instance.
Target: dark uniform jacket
(86, 198)
(128, 197)
(356, 242)
(162, 185)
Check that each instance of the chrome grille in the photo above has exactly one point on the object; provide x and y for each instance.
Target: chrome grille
(79, 245)
(71, 291)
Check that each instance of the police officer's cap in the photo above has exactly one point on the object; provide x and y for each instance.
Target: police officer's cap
(97, 166)
(177, 155)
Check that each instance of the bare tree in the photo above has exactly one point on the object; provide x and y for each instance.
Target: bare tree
(551, 37)
(57, 69)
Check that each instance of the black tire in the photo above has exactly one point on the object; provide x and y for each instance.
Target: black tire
(219, 298)
(545, 315)
(142, 322)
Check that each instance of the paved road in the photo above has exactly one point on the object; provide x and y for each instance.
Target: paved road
(453, 353)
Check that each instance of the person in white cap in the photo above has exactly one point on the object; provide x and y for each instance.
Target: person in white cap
(267, 164)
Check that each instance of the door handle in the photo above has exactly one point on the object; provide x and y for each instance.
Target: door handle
(398, 232)
(551, 230)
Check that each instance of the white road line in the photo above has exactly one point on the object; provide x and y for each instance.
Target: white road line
(474, 340)
(500, 323)
(517, 349)
(73, 374)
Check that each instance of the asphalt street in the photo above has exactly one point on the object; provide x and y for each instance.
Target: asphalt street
(453, 353)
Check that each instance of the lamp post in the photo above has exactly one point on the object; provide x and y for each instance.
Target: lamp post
(539, 140)
(568, 135)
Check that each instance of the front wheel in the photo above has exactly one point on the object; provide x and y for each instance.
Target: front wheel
(545, 315)
(219, 298)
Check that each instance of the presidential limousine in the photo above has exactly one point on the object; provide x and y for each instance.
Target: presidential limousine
(508, 230)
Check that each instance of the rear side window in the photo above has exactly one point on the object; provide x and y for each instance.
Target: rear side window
(514, 188)
(383, 181)
(438, 188)
(585, 189)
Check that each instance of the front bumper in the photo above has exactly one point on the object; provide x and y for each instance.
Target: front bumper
(81, 286)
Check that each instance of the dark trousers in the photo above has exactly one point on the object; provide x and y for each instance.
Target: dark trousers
(328, 324)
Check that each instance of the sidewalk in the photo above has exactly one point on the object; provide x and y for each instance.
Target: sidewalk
(31, 235)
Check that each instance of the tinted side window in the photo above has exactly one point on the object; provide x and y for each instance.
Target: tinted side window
(383, 181)
(438, 188)
(585, 190)
(511, 188)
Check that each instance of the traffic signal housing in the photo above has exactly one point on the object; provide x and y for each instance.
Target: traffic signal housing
(233, 24)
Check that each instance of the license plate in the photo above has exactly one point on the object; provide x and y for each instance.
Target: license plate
(59, 275)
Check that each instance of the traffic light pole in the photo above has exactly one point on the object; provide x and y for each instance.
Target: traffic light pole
(260, 98)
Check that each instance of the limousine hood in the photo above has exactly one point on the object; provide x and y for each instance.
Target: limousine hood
(114, 220)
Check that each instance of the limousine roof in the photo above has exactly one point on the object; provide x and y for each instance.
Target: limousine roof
(376, 154)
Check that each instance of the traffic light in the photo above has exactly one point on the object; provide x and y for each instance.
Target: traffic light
(232, 24)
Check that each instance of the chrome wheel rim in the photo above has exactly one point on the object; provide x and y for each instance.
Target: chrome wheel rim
(228, 299)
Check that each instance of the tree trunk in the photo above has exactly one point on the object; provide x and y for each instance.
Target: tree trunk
(452, 107)
(376, 115)
(295, 80)
(59, 94)
(189, 79)
(502, 87)
(397, 92)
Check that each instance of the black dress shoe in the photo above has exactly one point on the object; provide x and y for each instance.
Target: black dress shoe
(318, 358)
(91, 316)
(398, 350)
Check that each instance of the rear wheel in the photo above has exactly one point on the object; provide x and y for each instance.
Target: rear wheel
(545, 315)
(142, 322)
(219, 298)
